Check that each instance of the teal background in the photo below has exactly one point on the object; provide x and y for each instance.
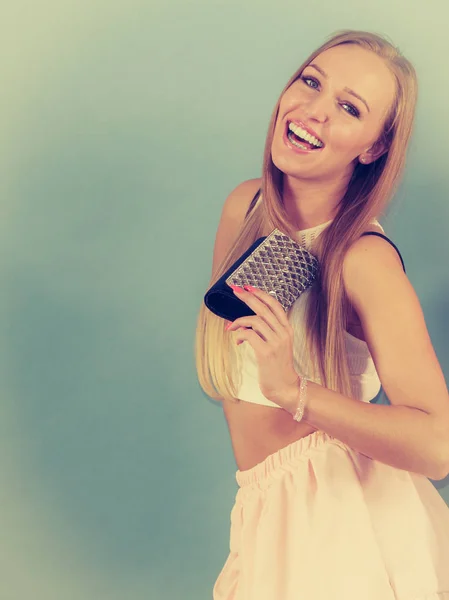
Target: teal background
(123, 127)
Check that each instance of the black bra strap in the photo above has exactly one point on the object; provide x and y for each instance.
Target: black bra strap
(256, 196)
(388, 240)
(253, 203)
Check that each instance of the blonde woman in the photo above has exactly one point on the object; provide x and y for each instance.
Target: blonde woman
(337, 505)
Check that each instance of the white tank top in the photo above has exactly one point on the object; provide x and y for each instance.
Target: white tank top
(364, 379)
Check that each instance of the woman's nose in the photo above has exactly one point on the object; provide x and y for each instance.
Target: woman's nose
(318, 108)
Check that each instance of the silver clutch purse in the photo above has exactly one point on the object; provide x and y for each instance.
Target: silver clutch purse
(279, 266)
(275, 264)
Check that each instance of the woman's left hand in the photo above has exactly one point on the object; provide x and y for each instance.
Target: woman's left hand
(271, 336)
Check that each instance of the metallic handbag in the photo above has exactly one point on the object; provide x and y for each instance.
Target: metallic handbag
(275, 264)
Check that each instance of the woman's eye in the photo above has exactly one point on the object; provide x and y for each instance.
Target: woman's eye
(355, 112)
(352, 110)
(305, 79)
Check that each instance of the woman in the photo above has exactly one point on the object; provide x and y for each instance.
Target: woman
(337, 505)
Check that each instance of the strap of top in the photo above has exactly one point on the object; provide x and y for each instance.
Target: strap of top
(388, 240)
(253, 203)
(257, 194)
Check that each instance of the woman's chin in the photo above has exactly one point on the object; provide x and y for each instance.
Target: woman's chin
(289, 167)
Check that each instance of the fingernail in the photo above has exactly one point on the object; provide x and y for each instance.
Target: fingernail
(236, 288)
(249, 288)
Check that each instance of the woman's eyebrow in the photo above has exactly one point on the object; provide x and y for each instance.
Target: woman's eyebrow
(346, 89)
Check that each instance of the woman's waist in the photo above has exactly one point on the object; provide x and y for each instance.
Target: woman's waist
(257, 431)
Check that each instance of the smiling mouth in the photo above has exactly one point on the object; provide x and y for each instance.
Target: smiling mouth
(300, 138)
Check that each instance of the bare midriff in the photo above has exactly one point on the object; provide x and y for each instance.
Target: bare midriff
(257, 431)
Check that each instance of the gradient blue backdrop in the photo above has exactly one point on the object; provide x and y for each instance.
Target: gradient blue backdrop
(124, 125)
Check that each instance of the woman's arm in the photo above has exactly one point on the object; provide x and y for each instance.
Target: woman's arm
(412, 433)
(400, 436)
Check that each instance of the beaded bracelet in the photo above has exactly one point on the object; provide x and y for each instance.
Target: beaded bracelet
(302, 400)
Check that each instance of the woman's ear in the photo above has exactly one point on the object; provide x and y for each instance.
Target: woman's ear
(376, 151)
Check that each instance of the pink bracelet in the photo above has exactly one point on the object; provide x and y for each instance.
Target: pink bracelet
(302, 400)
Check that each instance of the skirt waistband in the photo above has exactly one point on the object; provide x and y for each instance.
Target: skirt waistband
(295, 451)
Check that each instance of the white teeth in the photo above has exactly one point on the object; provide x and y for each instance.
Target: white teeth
(304, 135)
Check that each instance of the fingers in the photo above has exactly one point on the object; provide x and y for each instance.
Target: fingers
(252, 338)
(256, 324)
(271, 302)
(264, 305)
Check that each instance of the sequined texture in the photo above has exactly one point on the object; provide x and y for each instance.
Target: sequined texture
(279, 266)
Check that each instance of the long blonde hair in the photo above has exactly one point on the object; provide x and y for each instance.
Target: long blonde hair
(370, 189)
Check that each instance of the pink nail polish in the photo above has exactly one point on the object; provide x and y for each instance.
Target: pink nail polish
(249, 288)
(236, 288)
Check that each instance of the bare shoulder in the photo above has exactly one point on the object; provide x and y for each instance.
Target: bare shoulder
(231, 219)
(237, 202)
(356, 261)
(370, 260)
(374, 247)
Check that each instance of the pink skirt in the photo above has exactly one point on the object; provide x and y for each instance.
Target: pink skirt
(317, 520)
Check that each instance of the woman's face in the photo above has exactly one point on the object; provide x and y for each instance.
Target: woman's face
(323, 99)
